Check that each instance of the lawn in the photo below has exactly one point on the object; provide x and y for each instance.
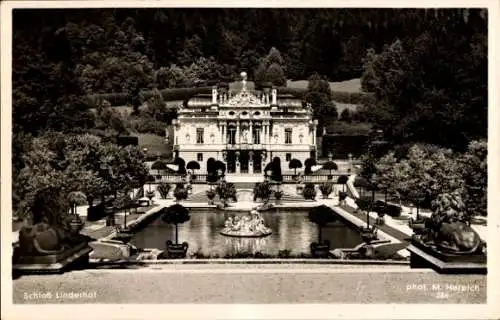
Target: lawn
(155, 144)
(341, 106)
(353, 85)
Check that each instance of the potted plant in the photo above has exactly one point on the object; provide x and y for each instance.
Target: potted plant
(321, 215)
(366, 204)
(342, 197)
(278, 194)
(343, 180)
(110, 216)
(180, 193)
(295, 164)
(163, 190)
(76, 198)
(262, 190)
(309, 191)
(368, 234)
(330, 165)
(176, 214)
(193, 165)
(326, 188)
(380, 216)
(210, 196)
(225, 191)
(150, 195)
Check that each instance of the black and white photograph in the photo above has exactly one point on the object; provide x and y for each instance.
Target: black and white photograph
(276, 155)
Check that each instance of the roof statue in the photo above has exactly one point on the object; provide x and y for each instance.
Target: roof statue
(244, 98)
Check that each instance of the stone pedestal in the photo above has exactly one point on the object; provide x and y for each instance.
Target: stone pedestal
(73, 258)
(423, 256)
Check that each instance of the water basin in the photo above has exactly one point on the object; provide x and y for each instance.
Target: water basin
(291, 230)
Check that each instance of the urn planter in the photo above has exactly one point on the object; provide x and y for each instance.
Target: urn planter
(176, 250)
(76, 224)
(124, 235)
(320, 250)
(418, 226)
(278, 195)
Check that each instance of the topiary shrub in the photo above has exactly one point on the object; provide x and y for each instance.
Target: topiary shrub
(225, 191)
(326, 189)
(364, 204)
(210, 196)
(262, 190)
(180, 193)
(175, 214)
(393, 210)
(163, 190)
(309, 192)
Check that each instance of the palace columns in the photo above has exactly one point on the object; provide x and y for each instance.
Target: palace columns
(237, 160)
(238, 132)
(250, 162)
(223, 133)
(265, 130)
(250, 139)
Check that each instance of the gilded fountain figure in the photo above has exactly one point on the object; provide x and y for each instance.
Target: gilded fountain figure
(251, 225)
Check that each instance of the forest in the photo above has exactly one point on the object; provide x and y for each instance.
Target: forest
(423, 68)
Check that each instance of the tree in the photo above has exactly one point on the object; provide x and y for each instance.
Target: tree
(321, 215)
(365, 204)
(276, 170)
(346, 115)
(308, 163)
(474, 172)
(271, 69)
(330, 165)
(181, 164)
(387, 181)
(193, 165)
(76, 198)
(176, 214)
(211, 171)
(319, 96)
(409, 81)
(295, 164)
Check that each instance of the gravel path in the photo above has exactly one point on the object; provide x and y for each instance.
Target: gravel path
(253, 284)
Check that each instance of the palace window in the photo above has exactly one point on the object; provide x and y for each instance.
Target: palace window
(199, 135)
(256, 136)
(199, 157)
(288, 136)
(231, 136)
(288, 157)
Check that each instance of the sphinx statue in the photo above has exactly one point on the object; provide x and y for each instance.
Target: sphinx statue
(448, 229)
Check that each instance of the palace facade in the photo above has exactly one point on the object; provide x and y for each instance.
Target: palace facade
(245, 129)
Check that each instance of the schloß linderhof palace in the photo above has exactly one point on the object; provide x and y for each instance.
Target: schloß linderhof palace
(245, 129)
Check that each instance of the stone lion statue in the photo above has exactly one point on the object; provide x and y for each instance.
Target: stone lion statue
(448, 228)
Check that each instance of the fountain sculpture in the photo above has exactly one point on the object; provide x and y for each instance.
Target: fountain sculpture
(248, 226)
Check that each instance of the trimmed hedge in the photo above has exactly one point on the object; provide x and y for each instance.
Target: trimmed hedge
(115, 99)
(353, 97)
(296, 92)
(182, 93)
(388, 208)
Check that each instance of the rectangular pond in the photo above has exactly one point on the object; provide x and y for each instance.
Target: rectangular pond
(291, 230)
